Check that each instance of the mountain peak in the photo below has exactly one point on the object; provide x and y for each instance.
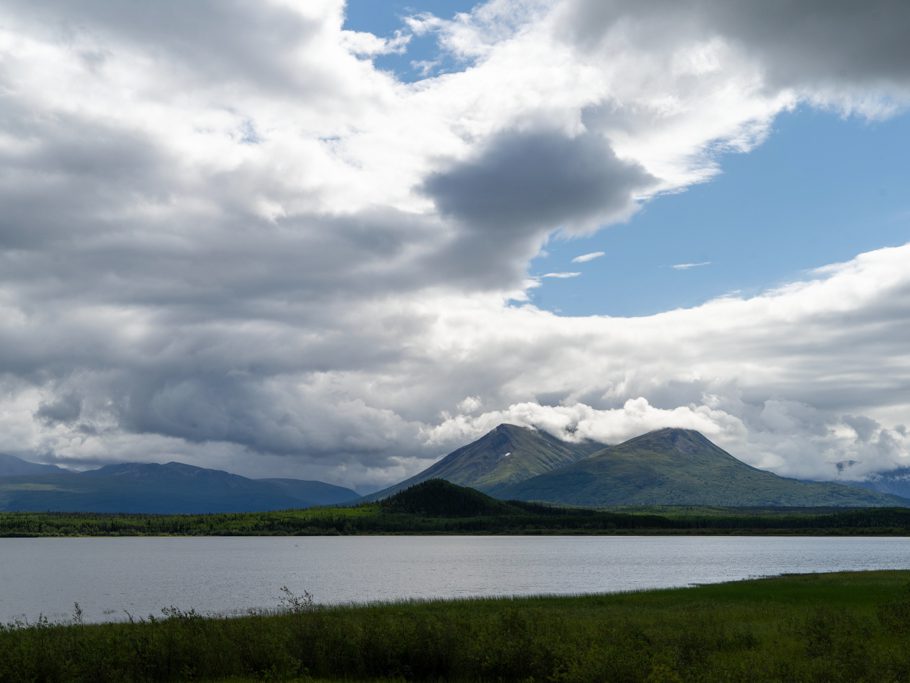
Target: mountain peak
(674, 439)
(505, 436)
(510, 430)
(11, 466)
(505, 454)
(678, 467)
(508, 427)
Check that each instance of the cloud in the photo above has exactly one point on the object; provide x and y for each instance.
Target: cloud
(810, 44)
(367, 44)
(777, 399)
(65, 409)
(560, 276)
(228, 238)
(539, 179)
(689, 266)
(580, 422)
(274, 45)
(586, 258)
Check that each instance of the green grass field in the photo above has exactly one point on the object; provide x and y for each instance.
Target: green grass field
(828, 627)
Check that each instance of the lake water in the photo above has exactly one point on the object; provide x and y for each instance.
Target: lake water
(109, 577)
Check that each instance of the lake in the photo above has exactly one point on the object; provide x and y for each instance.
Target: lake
(110, 577)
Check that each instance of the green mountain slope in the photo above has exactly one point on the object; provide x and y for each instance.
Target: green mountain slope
(505, 455)
(679, 467)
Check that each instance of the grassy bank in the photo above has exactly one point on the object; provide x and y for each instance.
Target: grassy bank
(832, 627)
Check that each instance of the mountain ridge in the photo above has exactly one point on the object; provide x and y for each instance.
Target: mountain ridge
(155, 488)
(674, 466)
(11, 466)
(506, 454)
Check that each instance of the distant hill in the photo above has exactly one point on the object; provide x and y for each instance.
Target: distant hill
(172, 488)
(440, 498)
(507, 454)
(11, 466)
(680, 467)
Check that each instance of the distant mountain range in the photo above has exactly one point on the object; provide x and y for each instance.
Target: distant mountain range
(665, 467)
(11, 466)
(895, 482)
(151, 488)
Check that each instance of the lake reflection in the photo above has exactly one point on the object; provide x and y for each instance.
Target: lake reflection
(110, 577)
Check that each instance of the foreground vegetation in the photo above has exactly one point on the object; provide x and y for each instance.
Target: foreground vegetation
(829, 627)
(438, 507)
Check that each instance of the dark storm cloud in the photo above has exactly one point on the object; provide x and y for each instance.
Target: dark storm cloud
(66, 409)
(528, 180)
(799, 43)
(523, 185)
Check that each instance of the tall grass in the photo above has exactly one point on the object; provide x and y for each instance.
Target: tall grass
(835, 627)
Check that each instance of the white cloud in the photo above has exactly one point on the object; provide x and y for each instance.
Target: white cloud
(578, 422)
(227, 236)
(470, 404)
(367, 44)
(585, 258)
(688, 266)
(561, 276)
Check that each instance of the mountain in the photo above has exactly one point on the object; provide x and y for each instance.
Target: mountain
(894, 482)
(11, 466)
(314, 492)
(173, 488)
(505, 455)
(680, 467)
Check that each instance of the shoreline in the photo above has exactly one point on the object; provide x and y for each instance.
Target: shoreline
(820, 626)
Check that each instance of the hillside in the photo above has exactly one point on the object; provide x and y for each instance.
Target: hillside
(680, 467)
(314, 492)
(508, 454)
(440, 498)
(162, 489)
(894, 482)
(11, 466)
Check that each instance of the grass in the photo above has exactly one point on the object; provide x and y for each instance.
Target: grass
(830, 627)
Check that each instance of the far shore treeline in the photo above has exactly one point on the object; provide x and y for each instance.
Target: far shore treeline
(439, 507)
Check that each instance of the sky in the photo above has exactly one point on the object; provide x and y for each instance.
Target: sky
(336, 241)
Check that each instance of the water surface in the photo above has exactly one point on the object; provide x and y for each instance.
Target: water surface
(110, 577)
